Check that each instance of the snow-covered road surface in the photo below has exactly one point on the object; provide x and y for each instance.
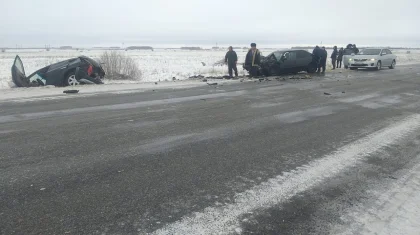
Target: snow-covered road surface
(269, 157)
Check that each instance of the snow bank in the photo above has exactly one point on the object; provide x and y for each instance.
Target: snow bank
(158, 65)
(52, 93)
(395, 211)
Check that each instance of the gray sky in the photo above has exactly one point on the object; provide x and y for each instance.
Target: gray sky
(97, 22)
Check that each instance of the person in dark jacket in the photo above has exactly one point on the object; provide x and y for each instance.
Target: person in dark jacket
(323, 62)
(334, 56)
(253, 60)
(317, 52)
(340, 57)
(231, 59)
(355, 49)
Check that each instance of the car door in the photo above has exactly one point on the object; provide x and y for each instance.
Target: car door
(18, 73)
(390, 56)
(288, 61)
(303, 59)
(385, 58)
(56, 72)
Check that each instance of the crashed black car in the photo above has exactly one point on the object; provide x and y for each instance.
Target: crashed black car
(288, 61)
(80, 70)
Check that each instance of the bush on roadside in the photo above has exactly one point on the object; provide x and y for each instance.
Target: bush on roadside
(118, 66)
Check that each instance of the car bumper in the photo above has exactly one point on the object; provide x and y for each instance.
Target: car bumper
(364, 64)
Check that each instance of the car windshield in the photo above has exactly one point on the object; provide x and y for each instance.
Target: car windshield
(35, 77)
(370, 52)
(278, 55)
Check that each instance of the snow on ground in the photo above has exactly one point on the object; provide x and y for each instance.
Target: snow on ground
(396, 210)
(50, 92)
(157, 65)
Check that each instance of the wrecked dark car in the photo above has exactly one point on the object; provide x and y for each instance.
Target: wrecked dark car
(288, 61)
(80, 70)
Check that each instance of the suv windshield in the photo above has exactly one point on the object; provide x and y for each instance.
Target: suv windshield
(370, 52)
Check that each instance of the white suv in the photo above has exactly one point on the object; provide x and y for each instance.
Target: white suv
(374, 58)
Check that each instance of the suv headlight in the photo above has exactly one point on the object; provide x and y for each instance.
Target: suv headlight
(373, 59)
(350, 59)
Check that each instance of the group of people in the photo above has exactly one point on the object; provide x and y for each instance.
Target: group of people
(336, 57)
(320, 56)
(252, 61)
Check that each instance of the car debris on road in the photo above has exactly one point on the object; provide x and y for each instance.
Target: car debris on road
(71, 91)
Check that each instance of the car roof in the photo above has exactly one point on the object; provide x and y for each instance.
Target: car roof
(284, 50)
(90, 60)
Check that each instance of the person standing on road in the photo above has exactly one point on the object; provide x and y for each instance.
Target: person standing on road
(355, 49)
(323, 63)
(334, 56)
(340, 57)
(253, 60)
(231, 59)
(317, 53)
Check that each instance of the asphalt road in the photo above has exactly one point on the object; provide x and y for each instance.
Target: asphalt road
(273, 157)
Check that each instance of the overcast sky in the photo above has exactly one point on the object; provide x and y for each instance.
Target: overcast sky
(99, 22)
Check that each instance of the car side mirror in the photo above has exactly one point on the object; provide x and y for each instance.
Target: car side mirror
(283, 58)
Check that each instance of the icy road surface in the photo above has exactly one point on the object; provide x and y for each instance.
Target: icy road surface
(335, 154)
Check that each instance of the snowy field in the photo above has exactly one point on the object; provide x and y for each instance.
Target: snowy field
(158, 65)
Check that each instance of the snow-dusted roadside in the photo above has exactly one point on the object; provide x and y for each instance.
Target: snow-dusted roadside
(396, 211)
(158, 65)
(51, 92)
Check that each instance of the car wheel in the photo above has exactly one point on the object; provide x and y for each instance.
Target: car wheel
(272, 72)
(346, 67)
(265, 72)
(351, 68)
(70, 80)
(393, 65)
(311, 68)
(378, 66)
